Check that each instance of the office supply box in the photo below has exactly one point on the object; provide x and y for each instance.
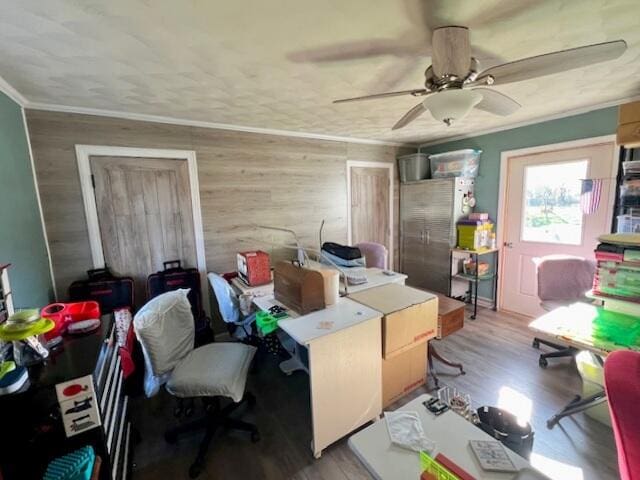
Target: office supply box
(254, 267)
(299, 288)
(410, 315)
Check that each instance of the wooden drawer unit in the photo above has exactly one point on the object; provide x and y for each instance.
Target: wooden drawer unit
(629, 125)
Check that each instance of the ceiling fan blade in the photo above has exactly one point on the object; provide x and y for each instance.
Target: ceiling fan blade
(415, 93)
(555, 62)
(410, 116)
(451, 51)
(372, 47)
(496, 102)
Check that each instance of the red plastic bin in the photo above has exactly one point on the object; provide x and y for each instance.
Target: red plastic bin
(63, 314)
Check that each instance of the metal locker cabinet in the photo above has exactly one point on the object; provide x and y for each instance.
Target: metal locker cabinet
(429, 210)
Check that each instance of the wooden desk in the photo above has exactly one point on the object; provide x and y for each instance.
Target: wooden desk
(344, 345)
(343, 342)
(450, 431)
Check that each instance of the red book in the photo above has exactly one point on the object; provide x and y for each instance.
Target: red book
(454, 468)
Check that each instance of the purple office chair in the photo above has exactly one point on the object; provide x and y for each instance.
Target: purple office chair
(375, 254)
(562, 280)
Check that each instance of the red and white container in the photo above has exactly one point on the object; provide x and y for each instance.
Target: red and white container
(254, 268)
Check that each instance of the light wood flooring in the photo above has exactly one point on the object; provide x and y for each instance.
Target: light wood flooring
(497, 354)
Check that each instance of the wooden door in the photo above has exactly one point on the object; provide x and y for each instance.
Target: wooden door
(543, 216)
(370, 206)
(145, 215)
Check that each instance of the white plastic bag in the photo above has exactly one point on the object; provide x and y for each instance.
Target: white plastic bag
(405, 430)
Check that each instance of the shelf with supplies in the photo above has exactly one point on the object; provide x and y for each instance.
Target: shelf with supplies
(77, 398)
(474, 277)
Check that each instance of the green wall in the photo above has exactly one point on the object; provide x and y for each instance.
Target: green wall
(21, 238)
(591, 124)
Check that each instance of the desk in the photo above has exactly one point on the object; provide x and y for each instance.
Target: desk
(343, 342)
(375, 278)
(345, 367)
(450, 431)
(575, 326)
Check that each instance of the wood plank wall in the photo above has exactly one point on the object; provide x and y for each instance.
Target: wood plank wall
(245, 179)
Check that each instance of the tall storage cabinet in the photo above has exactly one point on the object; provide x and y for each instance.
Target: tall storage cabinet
(429, 210)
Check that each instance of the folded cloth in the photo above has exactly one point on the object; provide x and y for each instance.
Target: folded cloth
(405, 430)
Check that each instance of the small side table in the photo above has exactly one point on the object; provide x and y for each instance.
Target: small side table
(475, 279)
(450, 320)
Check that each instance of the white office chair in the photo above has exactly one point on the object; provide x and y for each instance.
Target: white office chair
(165, 329)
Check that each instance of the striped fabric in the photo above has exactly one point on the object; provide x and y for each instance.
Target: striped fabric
(590, 195)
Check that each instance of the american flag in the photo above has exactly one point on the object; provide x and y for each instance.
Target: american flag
(590, 195)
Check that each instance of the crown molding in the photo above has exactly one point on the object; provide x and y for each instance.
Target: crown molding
(197, 123)
(12, 93)
(545, 118)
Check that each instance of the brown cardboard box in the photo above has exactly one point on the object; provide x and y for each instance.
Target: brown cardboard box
(410, 315)
(403, 373)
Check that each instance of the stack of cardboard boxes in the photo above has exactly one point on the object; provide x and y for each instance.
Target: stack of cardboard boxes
(410, 320)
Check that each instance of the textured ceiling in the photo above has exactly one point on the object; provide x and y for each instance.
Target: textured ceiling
(230, 61)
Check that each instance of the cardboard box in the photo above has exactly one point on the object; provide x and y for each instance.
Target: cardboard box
(410, 315)
(403, 373)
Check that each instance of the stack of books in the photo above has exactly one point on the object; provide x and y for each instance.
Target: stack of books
(618, 271)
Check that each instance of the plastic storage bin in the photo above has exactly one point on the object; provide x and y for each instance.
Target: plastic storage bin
(413, 167)
(628, 223)
(631, 167)
(460, 163)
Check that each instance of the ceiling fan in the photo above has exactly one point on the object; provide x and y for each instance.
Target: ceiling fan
(454, 84)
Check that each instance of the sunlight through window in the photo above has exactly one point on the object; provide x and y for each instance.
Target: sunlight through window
(555, 469)
(516, 403)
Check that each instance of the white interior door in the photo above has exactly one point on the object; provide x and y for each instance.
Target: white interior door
(370, 209)
(543, 215)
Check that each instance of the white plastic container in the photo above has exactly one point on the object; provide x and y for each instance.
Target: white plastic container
(460, 163)
(628, 223)
(631, 166)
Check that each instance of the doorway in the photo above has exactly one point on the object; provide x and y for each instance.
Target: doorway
(370, 207)
(542, 213)
(142, 209)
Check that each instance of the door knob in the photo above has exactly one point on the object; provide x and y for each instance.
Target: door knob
(508, 244)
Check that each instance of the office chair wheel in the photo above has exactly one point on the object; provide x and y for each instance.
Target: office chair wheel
(543, 362)
(255, 437)
(170, 438)
(535, 343)
(195, 470)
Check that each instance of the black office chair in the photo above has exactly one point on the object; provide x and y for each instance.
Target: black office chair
(165, 328)
(562, 280)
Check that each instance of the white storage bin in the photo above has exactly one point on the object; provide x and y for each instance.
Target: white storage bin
(628, 223)
(460, 163)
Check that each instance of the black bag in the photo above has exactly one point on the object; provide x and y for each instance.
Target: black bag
(102, 286)
(343, 251)
(174, 277)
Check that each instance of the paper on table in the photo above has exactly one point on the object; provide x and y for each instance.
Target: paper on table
(405, 430)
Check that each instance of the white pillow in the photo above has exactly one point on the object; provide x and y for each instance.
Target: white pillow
(165, 328)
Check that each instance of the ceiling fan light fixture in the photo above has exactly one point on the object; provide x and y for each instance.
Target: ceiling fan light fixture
(451, 105)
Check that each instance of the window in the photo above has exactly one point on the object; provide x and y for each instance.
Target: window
(552, 212)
